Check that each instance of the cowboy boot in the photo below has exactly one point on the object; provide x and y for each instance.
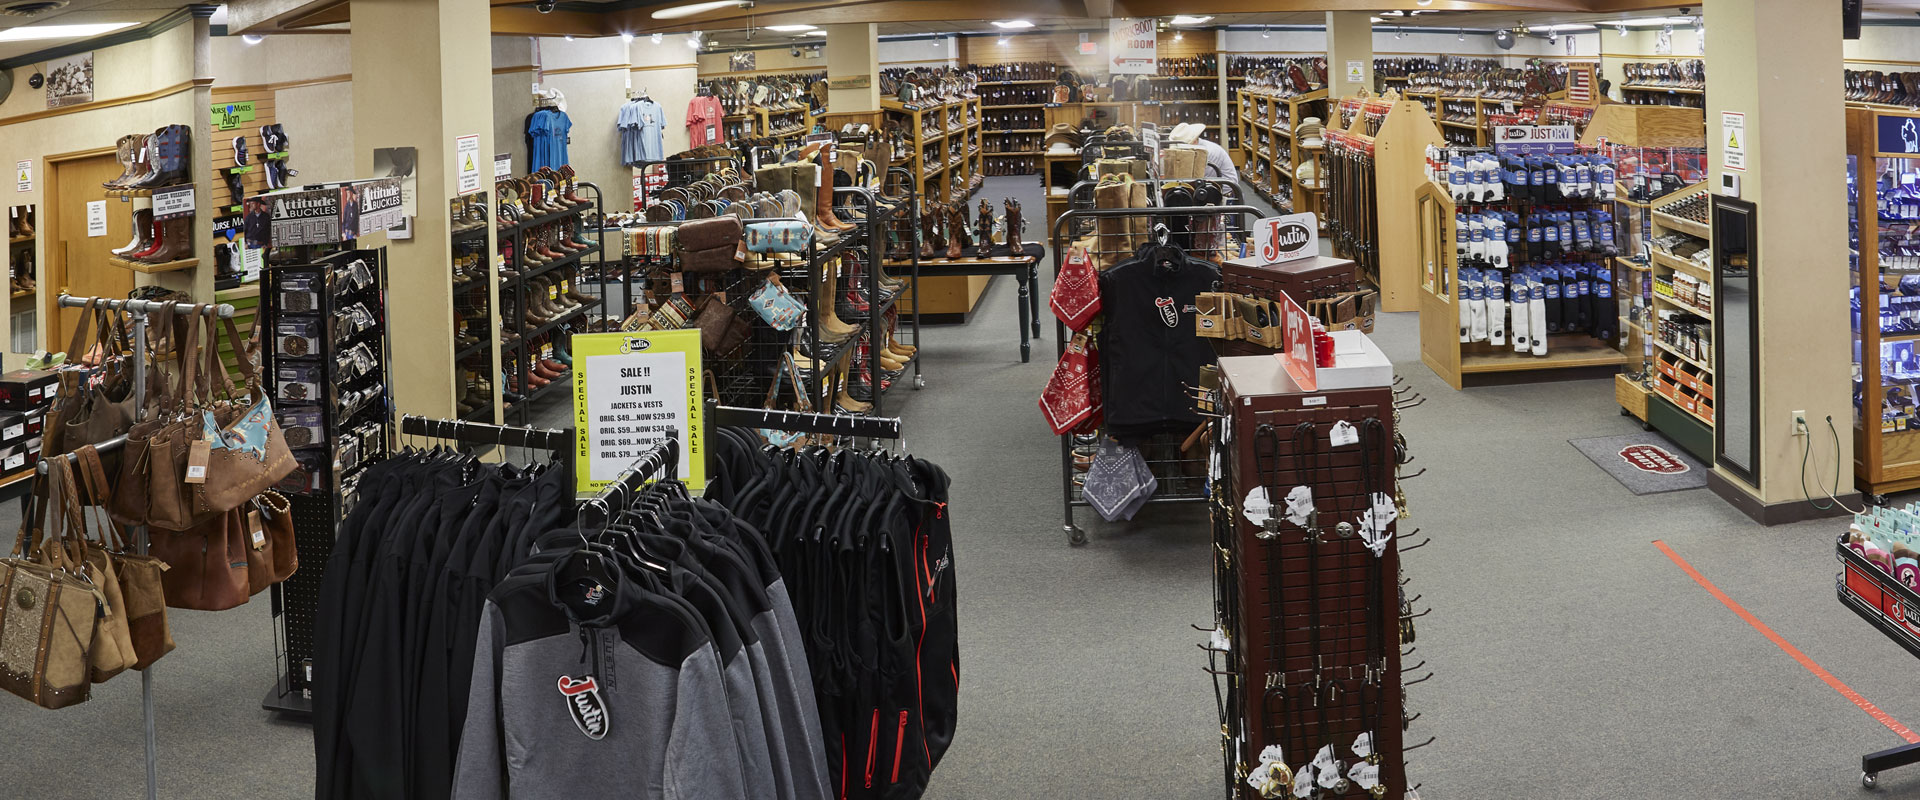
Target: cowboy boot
(984, 229)
(928, 234)
(959, 234)
(142, 231)
(831, 329)
(1111, 240)
(155, 244)
(1016, 225)
(123, 152)
(824, 200)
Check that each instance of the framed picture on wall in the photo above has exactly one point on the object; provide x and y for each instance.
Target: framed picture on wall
(70, 80)
(741, 62)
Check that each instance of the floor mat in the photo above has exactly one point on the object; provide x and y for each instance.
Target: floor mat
(1645, 463)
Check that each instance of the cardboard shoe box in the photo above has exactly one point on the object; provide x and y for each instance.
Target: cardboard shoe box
(23, 389)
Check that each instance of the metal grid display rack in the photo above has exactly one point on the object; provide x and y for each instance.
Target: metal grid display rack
(335, 387)
(1890, 604)
(525, 349)
(1182, 479)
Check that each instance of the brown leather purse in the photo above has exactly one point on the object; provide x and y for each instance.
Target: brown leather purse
(271, 553)
(49, 615)
(86, 411)
(247, 453)
(207, 564)
(709, 245)
(721, 330)
(142, 586)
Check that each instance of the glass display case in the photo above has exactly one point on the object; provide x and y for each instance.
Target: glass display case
(1883, 193)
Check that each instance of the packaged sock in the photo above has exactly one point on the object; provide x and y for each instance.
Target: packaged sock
(1603, 178)
(1477, 307)
(1583, 171)
(1457, 178)
(1521, 300)
(1462, 237)
(1563, 224)
(1550, 236)
(1582, 233)
(1536, 237)
(1537, 313)
(1516, 236)
(1463, 291)
(1606, 311)
(1550, 280)
(1496, 179)
(1477, 247)
(1550, 172)
(1603, 233)
(1581, 296)
(1496, 241)
(1514, 171)
(1496, 308)
(1537, 178)
(1476, 179)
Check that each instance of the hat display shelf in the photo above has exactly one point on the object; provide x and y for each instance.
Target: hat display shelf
(1275, 149)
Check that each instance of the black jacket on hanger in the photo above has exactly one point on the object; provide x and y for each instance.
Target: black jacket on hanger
(1149, 350)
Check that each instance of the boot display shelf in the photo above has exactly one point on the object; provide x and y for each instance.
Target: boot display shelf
(518, 357)
(944, 149)
(1272, 154)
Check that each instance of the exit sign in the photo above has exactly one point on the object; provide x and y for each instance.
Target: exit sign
(227, 116)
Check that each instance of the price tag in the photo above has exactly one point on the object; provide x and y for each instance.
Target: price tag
(1300, 505)
(1303, 782)
(1365, 775)
(1363, 745)
(14, 432)
(197, 456)
(1257, 508)
(256, 530)
(1343, 434)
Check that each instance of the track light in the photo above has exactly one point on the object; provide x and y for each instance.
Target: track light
(655, 38)
(1267, 32)
(1623, 30)
(626, 37)
(1463, 34)
(1004, 41)
(1177, 36)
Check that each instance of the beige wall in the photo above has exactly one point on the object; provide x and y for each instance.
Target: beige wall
(593, 100)
(512, 97)
(127, 70)
(318, 113)
(775, 59)
(668, 72)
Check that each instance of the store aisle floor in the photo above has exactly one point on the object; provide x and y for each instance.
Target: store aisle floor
(1572, 658)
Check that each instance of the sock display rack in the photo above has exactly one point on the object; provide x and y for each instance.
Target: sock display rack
(1880, 581)
(327, 369)
(1656, 151)
(1376, 159)
(1882, 211)
(944, 152)
(1311, 621)
(542, 302)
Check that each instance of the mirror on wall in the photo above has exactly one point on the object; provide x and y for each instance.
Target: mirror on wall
(22, 271)
(1736, 337)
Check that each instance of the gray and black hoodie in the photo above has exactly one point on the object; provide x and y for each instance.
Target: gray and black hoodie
(587, 686)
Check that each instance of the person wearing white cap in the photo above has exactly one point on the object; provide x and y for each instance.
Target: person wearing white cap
(1217, 159)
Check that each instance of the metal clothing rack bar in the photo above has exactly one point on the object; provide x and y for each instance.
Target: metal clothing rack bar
(107, 446)
(138, 309)
(663, 457)
(465, 432)
(804, 422)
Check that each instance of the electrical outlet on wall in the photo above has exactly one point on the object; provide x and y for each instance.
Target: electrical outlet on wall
(1799, 423)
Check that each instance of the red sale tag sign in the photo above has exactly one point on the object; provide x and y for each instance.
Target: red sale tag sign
(1297, 356)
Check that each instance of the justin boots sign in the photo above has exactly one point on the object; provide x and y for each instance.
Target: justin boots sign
(1277, 240)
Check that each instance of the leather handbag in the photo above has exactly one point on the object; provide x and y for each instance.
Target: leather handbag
(246, 453)
(49, 613)
(779, 236)
(112, 651)
(152, 487)
(90, 405)
(721, 330)
(777, 306)
(708, 245)
(141, 585)
(206, 565)
(271, 554)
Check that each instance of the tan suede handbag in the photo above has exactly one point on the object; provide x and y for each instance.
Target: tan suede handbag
(140, 576)
(49, 615)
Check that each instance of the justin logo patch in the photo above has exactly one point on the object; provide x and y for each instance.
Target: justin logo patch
(1169, 313)
(585, 704)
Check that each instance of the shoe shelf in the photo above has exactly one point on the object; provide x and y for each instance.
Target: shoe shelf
(1266, 121)
(474, 302)
(150, 268)
(543, 296)
(560, 263)
(556, 324)
(944, 140)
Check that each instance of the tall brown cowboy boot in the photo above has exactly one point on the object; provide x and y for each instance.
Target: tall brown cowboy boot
(825, 200)
(958, 237)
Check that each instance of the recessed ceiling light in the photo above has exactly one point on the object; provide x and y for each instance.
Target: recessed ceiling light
(655, 38)
(626, 37)
(1012, 24)
(60, 31)
(697, 8)
(1267, 32)
(1004, 41)
(569, 37)
(1424, 2)
(1189, 19)
(791, 28)
(252, 38)
(693, 40)
(1177, 36)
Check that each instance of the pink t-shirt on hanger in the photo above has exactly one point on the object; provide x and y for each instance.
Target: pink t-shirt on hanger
(706, 121)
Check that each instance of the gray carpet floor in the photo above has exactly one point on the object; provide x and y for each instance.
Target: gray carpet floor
(1572, 659)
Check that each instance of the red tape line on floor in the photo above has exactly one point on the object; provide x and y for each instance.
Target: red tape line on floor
(1818, 672)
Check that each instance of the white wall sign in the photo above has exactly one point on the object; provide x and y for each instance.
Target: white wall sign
(96, 217)
(1733, 140)
(174, 202)
(23, 176)
(1135, 46)
(502, 165)
(467, 156)
(1286, 238)
(1356, 71)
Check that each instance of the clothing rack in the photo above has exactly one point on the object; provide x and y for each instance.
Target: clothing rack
(139, 310)
(804, 422)
(464, 432)
(663, 457)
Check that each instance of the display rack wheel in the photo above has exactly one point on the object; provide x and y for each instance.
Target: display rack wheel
(1878, 500)
(1624, 412)
(1869, 779)
(919, 382)
(1075, 536)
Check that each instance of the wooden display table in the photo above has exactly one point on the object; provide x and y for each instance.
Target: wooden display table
(1024, 267)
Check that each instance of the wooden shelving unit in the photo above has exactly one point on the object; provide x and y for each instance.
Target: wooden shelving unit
(1629, 132)
(1259, 129)
(956, 152)
(1399, 163)
(1886, 421)
(1682, 382)
(1440, 346)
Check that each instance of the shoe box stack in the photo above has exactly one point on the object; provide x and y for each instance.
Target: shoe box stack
(150, 163)
(25, 397)
(1311, 624)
